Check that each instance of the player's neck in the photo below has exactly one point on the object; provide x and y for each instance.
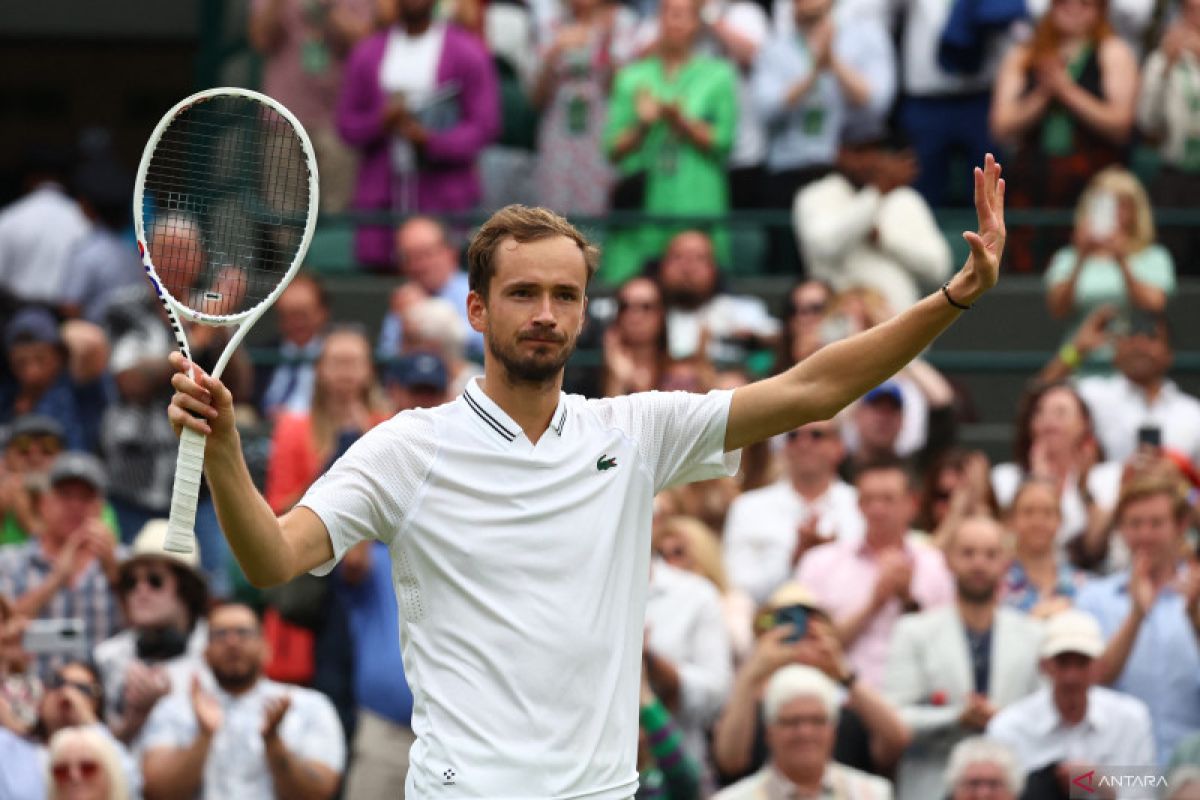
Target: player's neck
(530, 405)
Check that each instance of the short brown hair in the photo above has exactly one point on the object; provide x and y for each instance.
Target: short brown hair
(1147, 486)
(522, 224)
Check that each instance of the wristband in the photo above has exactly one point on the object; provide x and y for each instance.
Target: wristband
(1069, 354)
(951, 300)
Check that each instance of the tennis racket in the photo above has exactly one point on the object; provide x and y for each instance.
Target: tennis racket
(224, 209)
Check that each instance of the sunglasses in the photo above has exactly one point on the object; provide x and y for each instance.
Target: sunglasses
(47, 443)
(816, 434)
(810, 309)
(65, 771)
(637, 305)
(155, 580)
(57, 681)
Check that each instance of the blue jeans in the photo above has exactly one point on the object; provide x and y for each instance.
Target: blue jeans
(938, 127)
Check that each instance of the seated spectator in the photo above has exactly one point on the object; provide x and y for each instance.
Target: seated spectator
(75, 700)
(39, 230)
(951, 669)
(577, 61)
(670, 129)
(807, 306)
(429, 261)
(304, 48)
(687, 653)
(419, 102)
(1065, 100)
(1040, 581)
(67, 572)
(1071, 726)
(956, 486)
(32, 445)
(1113, 261)
(1150, 613)
(635, 344)
(866, 585)
(105, 261)
(57, 373)
(345, 402)
(383, 734)
(870, 734)
(417, 380)
(800, 708)
(665, 770)
(84, 763)
(301, 315)
(982, 769)
(1056, 442)
(1166, 117)
(688, 544)
(163, 601)
(1139, 395)
(700, 311)
(768, 530)
(864, 226)
(247, 736)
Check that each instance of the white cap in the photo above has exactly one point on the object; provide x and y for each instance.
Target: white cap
(796, 680)
(1072, 631)
(150, 541)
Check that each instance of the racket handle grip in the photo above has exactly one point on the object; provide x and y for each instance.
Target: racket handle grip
(189, 466)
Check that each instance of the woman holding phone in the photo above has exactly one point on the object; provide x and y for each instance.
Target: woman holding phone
(1114, 260)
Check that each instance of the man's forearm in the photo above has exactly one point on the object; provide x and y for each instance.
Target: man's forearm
(294, 777)
(174, 772)
(733, 733)
(886, 732)
(250, 526)
(1111, 663)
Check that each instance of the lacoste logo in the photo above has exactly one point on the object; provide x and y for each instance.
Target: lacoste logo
(604, 462)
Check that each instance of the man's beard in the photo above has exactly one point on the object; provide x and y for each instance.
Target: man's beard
(529, 369)
(684, 297)
(977, 595)
(235, 681)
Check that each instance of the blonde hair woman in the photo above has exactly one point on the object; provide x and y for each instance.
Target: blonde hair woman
(84, 765)
(1114, 259)
(687, 543)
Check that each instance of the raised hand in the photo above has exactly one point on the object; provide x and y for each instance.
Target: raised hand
(274, 710)
(201, 402)
(208, 711)
(987, 244)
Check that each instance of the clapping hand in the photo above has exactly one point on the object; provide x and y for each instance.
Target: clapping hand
(206, 708)
(274, 710)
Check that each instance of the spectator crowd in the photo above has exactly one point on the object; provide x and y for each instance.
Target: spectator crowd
(868, 610)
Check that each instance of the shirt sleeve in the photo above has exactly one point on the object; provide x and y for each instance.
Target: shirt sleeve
(171, 724)
(1155, 267)
(1060, 267)
(680, 435)
(315, 734)
(368, 492)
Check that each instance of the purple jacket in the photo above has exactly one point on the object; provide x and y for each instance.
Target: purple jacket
(447, 179)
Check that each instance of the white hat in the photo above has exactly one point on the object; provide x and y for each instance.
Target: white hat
(150, 541)
(796, 680)
(1072, 631)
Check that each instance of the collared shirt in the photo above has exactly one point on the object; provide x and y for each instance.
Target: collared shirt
(839, 782)
(521, 570)
(683, 613)
(1119, 408)
(86, 596)
(1163, 669)
(762, 525)
(1017, 591)
(1114, 731)
(291, 386)
(843, 575)
(237, 763)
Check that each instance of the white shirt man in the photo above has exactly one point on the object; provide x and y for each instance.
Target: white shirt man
(1119, 409)
(481, 704)
(686, 627)
(1111, 728)
(37, 235)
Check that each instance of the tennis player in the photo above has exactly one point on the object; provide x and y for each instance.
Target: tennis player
(518, 517)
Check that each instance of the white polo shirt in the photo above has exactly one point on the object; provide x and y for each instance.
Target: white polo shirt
(1119, 408)
(521, 576)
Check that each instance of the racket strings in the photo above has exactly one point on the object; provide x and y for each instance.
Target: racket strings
(226, 203)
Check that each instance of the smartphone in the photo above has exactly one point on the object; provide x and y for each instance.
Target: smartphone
(55, 637)
(1149, 436)
(1102, 215)
(797, 617)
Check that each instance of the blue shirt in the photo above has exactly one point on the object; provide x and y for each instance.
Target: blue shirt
(1163, 670)
(24, 773)
(379, 683)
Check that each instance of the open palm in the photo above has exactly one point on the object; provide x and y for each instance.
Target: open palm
(987, 245)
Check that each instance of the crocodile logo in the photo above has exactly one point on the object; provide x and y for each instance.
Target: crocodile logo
(605, 462)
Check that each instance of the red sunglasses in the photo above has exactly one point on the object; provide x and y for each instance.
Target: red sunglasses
(68, 770)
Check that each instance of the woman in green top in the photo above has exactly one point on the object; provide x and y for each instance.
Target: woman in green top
(671, 119)
(1114, 260)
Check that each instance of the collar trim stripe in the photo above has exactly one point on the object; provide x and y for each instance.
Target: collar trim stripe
(488, 418)
(562, 420)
